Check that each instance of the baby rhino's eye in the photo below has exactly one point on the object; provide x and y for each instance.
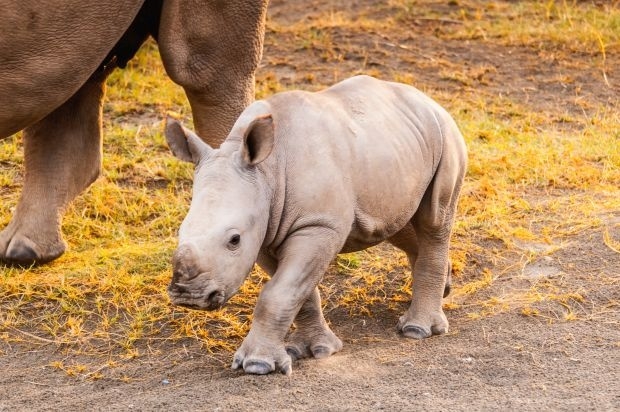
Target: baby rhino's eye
(234, 241)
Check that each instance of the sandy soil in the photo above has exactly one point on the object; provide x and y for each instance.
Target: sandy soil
(501, 362)
(504, 362)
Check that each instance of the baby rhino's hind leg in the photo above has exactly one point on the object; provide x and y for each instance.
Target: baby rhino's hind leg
(407, 241)
(433, 223)
(429, 266)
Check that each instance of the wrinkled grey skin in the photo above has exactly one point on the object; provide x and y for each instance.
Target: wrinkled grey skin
(54, 60)
(303, 176)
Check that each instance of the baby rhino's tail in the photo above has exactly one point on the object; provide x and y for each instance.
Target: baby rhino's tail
(448, 287)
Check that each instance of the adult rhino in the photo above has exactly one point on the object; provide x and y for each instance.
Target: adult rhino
(54, 60)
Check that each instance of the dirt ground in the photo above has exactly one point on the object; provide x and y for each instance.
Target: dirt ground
(503, 362)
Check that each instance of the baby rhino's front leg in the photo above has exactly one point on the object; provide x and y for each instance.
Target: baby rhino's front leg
(312, 336)
(262, 350)
(304, 259)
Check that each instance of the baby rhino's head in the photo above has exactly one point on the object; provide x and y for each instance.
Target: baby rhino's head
(221, 235)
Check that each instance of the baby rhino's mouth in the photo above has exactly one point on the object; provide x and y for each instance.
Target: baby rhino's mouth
(212, 300)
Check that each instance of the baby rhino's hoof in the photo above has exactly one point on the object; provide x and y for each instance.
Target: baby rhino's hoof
(317, 352)
(318, 346)
(413, 327)
(320, 352)
(262, 360)
(415, 332)
(257, 367)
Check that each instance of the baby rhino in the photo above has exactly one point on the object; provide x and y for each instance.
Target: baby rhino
(303, 176)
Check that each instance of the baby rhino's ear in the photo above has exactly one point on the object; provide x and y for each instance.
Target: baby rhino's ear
(184, 143)
(258, 140)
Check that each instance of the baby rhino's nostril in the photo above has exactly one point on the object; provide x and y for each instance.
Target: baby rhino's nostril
(216, 299)
(214, 296)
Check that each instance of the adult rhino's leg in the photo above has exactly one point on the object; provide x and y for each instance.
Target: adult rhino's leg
(312, 336)
(212, 49)
(62, 157)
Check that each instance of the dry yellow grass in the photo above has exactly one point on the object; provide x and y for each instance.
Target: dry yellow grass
(536, 179)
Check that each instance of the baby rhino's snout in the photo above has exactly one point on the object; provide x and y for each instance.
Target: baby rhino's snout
(190, 286)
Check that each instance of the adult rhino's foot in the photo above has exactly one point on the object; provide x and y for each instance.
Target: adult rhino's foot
(304, 344)
(261, 359)
(19, 250)
(423, 325)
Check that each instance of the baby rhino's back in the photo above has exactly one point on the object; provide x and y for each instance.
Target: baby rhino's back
(396, 136)
(360, 154)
